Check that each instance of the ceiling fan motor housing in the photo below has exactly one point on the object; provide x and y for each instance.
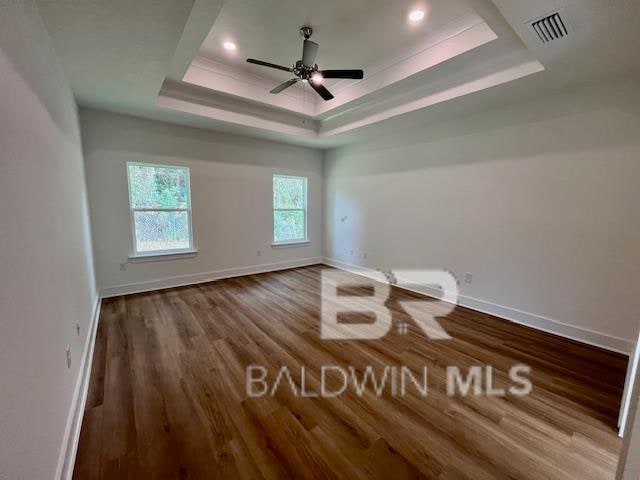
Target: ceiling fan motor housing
(302, 71)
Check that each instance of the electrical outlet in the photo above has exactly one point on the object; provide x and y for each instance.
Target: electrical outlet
(68, 356)
(78, 329)
(468, 277)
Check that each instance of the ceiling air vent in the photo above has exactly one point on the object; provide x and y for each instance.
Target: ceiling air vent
(549, 28)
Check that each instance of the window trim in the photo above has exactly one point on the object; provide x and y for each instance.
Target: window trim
(165, 252)
(296, 241)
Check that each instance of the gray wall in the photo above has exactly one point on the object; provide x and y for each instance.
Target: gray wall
(46, 266)
(539, 201)
(231, 190)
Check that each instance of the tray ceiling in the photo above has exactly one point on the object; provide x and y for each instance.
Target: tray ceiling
(351, 34)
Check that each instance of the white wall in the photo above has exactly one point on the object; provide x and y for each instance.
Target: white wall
(46, 267)
(231, 190)
(539, 201)
(631, 470)
(629, 465)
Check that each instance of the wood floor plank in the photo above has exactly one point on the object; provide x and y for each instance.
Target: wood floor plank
(168, 395)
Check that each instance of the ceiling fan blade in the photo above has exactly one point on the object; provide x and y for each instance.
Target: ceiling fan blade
(284, 85)
(267, 64)
(322, 91)
(309, 52)
(353, 74)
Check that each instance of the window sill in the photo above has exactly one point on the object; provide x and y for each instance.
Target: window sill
(294, 243)
(162, 256)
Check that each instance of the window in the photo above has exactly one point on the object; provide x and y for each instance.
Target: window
(160, 203)
(289, 209)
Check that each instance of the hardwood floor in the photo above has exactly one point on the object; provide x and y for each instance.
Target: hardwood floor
(167, 397)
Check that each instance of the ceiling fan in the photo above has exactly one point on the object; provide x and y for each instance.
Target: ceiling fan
(306, 70)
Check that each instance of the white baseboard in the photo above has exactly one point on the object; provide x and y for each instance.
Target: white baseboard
(182, 280)
(538, 322)
(74, 420)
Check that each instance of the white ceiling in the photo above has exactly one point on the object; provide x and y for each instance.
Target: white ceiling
(603, 40)
(349, 32)
(115, 52)
(163, 59)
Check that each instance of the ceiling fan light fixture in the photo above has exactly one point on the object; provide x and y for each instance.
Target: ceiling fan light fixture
(229, 46)
(416, 15)
(317, 78)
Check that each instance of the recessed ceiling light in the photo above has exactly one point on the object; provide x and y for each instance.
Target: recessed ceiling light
(317, 77)
(416, 15)
(230, 46)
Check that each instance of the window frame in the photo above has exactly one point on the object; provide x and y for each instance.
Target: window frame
(132, 210)
(304, 210)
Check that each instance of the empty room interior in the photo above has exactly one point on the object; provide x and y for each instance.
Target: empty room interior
(291, 239)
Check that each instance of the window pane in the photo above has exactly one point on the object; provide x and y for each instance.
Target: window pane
(158, 187)
(288, 225)
(161, 230)
(288, 192)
